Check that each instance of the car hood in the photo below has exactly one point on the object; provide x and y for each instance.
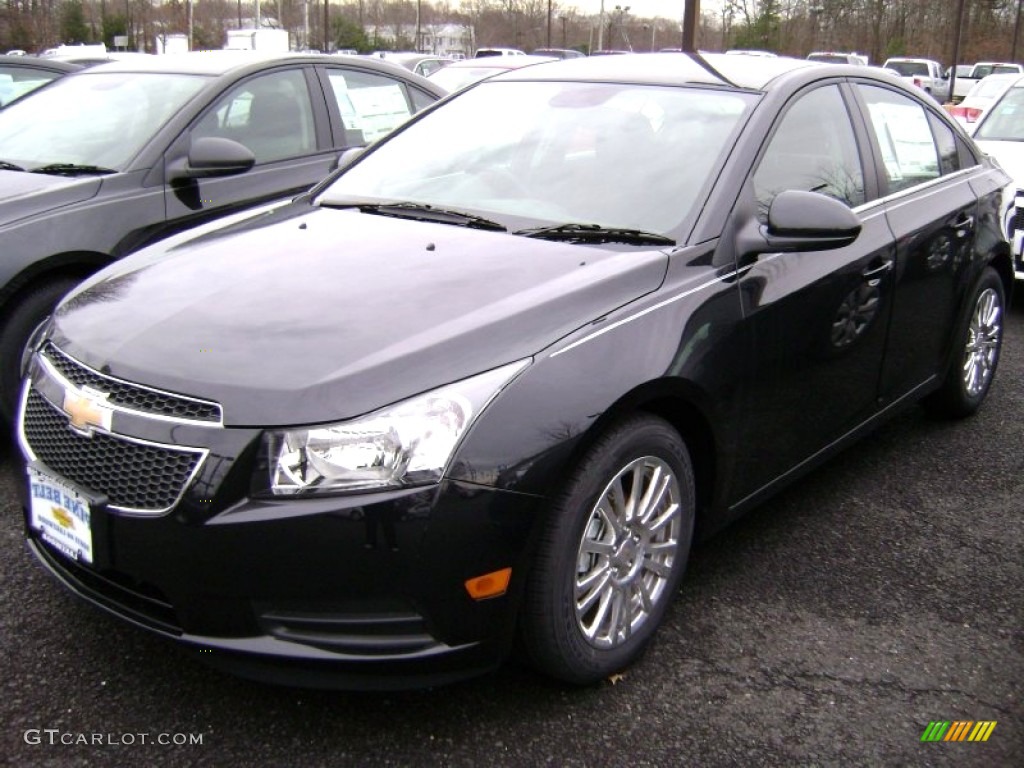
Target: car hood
(1010, 155)
(306, 315)
(28, 194)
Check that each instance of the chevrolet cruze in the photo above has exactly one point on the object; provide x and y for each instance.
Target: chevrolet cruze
(483, 388)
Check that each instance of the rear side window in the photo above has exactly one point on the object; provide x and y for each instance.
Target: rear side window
(945, 142)
(904, 137)
(17, 81)
(371, 105)
(812, 150)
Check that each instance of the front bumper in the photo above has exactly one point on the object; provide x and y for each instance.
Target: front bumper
(340, 594)
(353, 591)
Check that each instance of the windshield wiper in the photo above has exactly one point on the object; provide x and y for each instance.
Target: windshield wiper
(424, 212)
(71, 169)
(5, 166)
(595, 233)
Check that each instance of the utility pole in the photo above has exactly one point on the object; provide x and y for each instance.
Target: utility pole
(956, 49)
(549, 23)
(691, 11)
(1016, 32)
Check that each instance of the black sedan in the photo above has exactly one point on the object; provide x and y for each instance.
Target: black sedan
(489, 382)
(117, 156)
(20, 75)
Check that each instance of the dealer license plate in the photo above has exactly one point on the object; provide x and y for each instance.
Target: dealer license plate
(61, 515)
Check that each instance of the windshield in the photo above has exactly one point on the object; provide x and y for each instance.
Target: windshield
(95, 119)
(1005, 120)
(614, 155)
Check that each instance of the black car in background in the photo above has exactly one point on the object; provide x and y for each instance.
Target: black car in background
(491, 380)
(122, 154)
(20, 75)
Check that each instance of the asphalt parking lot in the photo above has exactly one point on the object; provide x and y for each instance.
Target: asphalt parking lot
(881, 593)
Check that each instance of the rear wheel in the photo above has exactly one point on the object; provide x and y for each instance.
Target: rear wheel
(612, 553)
(977, 352)
(16, 327)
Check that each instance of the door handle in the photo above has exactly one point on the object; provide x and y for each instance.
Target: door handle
(874, 273)
(964, 222)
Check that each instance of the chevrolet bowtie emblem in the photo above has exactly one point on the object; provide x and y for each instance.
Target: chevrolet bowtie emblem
(87, 408)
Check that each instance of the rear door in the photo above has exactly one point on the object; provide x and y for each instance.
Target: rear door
(933, 213)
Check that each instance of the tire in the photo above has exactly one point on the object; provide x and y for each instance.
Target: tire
(19, 322)
(976, 354)
(595, 596)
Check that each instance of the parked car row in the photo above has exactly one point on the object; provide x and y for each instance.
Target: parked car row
(111, 158)
(483, 386)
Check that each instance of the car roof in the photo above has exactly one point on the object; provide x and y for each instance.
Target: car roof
(34, 62)
(501, 62)
(218, 63)
(222, 62)
(748, 72)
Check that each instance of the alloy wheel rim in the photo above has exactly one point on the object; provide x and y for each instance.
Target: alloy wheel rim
(626, 553)
(983, 338)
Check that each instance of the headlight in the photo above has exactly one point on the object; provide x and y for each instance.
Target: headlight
(409, 443)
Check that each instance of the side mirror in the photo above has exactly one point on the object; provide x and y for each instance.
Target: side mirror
(801, 221)
(211, 156)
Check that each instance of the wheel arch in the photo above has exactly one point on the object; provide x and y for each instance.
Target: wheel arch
(73, 264)
(677, 401)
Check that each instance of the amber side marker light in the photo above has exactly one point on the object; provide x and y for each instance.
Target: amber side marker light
(491, 584)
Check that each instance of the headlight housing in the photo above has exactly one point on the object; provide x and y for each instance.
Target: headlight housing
(406, 444)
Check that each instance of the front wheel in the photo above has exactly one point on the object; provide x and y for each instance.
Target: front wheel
(612, 553)
(976, 353)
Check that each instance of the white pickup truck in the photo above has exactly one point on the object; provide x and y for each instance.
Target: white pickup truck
(964, 82)
(924, 73)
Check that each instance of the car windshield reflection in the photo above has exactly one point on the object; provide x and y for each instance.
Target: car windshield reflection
(553, 152)
(97, 119)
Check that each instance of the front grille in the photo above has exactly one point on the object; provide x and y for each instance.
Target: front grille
(131, 396)
(134, 476)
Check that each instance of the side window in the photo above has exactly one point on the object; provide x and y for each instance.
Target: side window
(15, 82)
(371, 105)
(813, 149)
(904, 137)
(270, 114)
(949, 156)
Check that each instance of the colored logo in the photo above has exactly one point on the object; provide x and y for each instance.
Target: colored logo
(61, 516)
(958, 730)
(86, 409)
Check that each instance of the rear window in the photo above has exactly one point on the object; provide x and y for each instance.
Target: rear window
(908, 68)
